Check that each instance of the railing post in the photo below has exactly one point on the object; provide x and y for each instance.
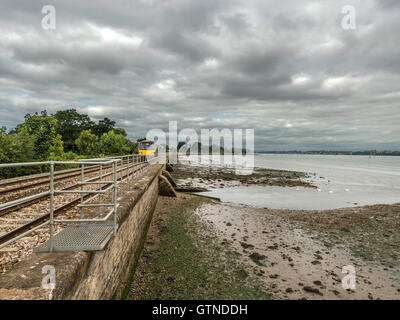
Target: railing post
(82, 182)
(127, 169)
(51, 205)
(133, 168)
(121, 169)
(130, 172)
(100, 188)
(115, 195)
(134, 157)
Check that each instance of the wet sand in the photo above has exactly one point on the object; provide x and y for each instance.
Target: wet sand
(292, 258)
(199, 248)
(299, 254)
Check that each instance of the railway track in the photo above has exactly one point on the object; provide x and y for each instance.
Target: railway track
(44, 180)
(64, 207)
(16, 204)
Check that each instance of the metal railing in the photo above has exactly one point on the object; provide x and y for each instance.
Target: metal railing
(118, 164)
(113, 186)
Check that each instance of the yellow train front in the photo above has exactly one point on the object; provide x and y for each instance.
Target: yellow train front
(147, 148)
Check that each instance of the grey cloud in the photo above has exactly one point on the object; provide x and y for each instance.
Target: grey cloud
(389, 4)
(92, 60)
(286, 69)
(189, 46)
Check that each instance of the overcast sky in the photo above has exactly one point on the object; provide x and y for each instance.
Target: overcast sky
(285, 68)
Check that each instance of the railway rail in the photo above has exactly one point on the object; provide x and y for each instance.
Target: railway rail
(125, 170)
(45, 179)
(22, 183)
(18, 203)
(43, 218)
(27, 201)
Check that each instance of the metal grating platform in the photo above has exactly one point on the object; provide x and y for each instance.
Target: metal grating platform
(83, 237)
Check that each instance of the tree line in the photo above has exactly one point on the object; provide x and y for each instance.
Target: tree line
(64, 135)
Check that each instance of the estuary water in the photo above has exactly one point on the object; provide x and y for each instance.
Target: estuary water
(342, 181)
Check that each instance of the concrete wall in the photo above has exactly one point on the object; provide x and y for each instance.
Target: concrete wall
(91, 275)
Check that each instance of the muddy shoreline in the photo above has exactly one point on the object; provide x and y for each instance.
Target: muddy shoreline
(182, 259)
(205, 178)
(288, 254)
(300, 254)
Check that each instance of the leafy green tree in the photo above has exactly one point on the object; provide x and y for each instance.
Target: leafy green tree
(70, 124)
(3, 145)
(87, 143)
(120, 131)
(57, 149)
(104, 126)
(15, 148)
(43, 130)
(133, 146)
(114, 144)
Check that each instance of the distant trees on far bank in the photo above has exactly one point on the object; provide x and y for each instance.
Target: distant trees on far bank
(199, 148)
(352, 153)
(65, 135)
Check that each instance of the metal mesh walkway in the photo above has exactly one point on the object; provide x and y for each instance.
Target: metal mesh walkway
(83, 237)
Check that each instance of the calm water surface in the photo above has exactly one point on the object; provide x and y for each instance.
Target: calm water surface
(342, 181)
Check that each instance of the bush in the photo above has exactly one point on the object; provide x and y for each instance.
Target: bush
(87, 143)
(114, 144)
(43, 130)
(43, 137)
(16, 148)
(57, 150)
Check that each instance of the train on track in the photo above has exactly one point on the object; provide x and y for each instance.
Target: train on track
(148, 148)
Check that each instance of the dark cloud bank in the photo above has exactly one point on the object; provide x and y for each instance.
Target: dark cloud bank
(285, 68)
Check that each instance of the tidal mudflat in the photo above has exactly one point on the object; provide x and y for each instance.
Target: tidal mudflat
(208, 177)
(199, 248)
(305, 182)
(300, 254)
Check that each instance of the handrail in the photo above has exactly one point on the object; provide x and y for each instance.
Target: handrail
(23, 164)
(129, 160)
(13, 203)
(112, 187)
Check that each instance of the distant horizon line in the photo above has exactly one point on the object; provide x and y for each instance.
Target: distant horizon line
(364, 152)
